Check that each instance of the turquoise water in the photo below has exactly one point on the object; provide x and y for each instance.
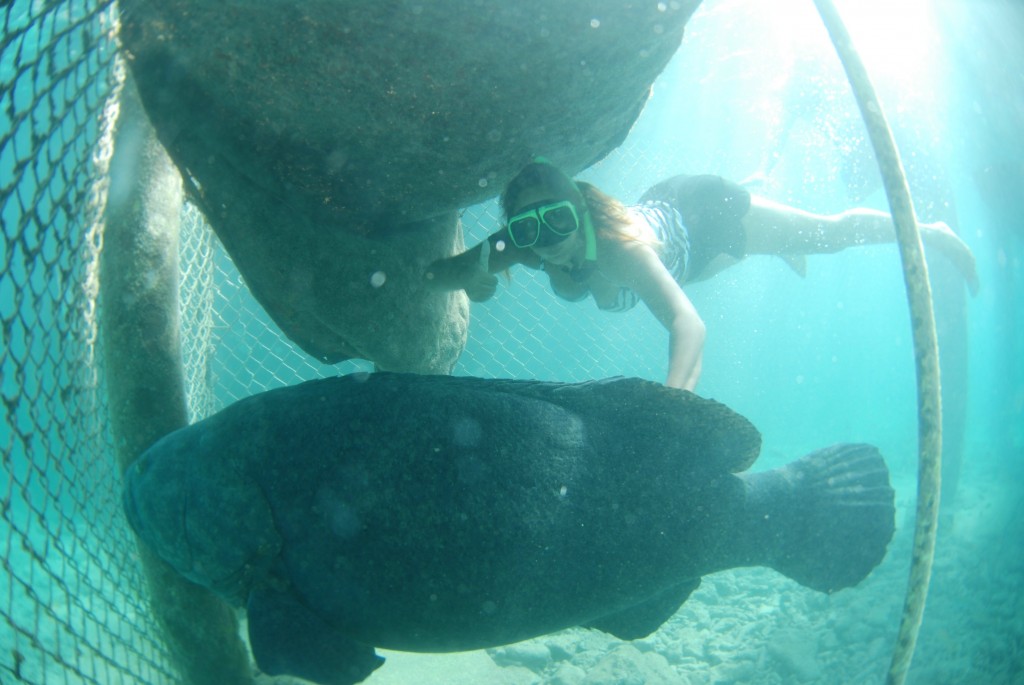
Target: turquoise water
(755, 91)
(829, 357)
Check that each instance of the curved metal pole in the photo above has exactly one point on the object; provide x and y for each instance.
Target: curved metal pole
(926, 351)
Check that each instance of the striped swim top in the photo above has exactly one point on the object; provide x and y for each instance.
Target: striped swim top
(674, 250)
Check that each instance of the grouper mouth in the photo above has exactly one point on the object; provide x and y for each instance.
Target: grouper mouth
(214, 526)
(251, 571)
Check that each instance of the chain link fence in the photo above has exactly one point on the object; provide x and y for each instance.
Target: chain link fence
(233, 349)
(72, 604)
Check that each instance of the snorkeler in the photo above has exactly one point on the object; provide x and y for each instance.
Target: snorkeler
(684, 229)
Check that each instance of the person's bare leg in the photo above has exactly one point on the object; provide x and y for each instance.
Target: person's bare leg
(776, 229)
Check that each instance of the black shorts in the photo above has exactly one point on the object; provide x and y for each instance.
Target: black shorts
(711, 208)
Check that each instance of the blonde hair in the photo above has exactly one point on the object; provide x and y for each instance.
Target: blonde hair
(611, 218)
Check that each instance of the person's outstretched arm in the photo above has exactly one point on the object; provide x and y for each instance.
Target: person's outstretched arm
(474, 269)
(638, 267)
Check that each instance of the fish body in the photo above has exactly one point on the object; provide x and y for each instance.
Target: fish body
(437, 513)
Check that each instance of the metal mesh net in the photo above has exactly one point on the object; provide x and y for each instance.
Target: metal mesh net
(70, 609)
(72, 602)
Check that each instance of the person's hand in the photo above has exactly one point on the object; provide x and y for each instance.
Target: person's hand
(481, 285)
(457, 273)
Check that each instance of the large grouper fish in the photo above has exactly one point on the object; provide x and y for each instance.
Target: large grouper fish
(437, 513)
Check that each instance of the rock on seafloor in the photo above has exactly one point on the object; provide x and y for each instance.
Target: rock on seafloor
(330, 144)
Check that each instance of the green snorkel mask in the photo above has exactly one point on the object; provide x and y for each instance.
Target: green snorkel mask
(561, 219)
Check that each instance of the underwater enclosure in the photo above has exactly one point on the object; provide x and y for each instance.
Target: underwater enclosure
(755, 94)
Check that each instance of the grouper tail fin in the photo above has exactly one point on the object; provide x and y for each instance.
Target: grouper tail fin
(827, 517)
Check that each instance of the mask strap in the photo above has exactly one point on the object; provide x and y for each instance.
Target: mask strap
(588, 234)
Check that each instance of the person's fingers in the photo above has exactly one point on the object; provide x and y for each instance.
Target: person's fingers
(483, 287)
(485, 255)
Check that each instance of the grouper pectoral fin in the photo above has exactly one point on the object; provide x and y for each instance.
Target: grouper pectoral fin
(643, 619)
(287, 638)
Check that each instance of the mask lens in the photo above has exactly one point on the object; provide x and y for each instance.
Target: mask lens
(561, 219)
(524, 230)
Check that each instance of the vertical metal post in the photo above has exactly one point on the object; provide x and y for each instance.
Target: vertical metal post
(145, 382)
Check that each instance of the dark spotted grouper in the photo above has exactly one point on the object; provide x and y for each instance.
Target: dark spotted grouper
(433, 513)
